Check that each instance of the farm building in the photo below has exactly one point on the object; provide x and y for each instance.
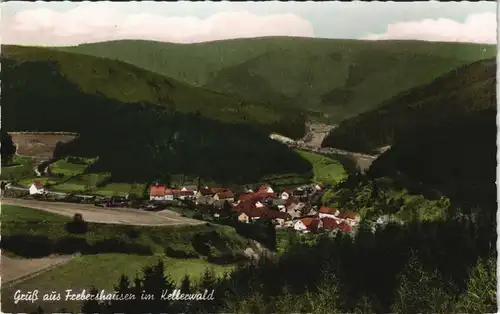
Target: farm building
(36, 188)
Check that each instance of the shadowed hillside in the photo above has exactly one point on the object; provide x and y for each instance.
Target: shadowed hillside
(126, 83)
(447, 99)
(340, 78)
(136, 136)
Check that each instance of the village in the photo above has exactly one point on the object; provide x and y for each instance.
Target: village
(289, 208)
(297, 208)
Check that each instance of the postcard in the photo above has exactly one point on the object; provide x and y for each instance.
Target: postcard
(248, 157)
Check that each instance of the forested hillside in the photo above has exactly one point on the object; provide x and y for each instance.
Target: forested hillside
(142, 126)
(449, 98)
(336, 78)
(128, 84)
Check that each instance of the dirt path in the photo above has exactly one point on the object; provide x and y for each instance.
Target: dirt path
(91, 213)
(16, 270)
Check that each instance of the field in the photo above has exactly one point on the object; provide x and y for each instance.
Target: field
(22, 227)
(103, 271)
(325, 169)
(108, 251)
(19, 168)
(340, 78)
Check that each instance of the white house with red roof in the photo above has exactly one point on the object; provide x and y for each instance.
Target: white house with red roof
(308, 224)
(159, 192)
(36, 188)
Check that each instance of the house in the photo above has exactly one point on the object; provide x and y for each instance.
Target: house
(286, 194)
(350, 217)
(308, 224)
(319, 187)
(184, 195)
(249, 214)
(205, 200)
(345, 227)
(243, 217)
(265, 189)
(330, 223)
(169, 195)
(208, 191)
(277, 217)
(157, 192)
(247, 190)
(299, 192)
(325, 211)
(226, 195)
(205, 195)
(36, 188)
(258, 204)
(190, 188)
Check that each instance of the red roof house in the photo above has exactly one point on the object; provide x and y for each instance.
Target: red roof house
(325, 211)
(223, 195)
(329, 223)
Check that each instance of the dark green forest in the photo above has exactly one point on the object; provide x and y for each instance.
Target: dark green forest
(140, 141)
(465, 90)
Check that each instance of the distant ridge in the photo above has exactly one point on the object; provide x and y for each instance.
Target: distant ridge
(337, 79)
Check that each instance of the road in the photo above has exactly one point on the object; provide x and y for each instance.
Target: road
(126, 216)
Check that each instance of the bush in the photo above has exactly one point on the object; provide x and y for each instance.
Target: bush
(26, 245)
(118, 246)
(133, 233)
(70, 245)
(78, 225)
(181, 252)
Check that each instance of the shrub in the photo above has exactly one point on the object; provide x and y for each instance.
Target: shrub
(70, 245)
(78, 225)
(119, 246)
(31, 246)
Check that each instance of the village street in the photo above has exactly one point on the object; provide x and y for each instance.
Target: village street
(107, 215)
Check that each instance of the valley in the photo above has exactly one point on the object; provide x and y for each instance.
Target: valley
(183, 165)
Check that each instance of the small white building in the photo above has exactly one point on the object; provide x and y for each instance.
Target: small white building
(259, 204)
(169, 195)
(285, 194)
(36, 188)
(318, 187)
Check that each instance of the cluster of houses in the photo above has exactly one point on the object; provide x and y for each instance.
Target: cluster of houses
(291, 208)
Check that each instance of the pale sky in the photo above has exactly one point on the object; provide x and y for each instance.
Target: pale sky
(70, 23)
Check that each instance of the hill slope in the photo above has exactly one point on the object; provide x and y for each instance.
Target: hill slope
(141, 125)
(126, 83)
(468, 89)
(442, 136)
(338, 77)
